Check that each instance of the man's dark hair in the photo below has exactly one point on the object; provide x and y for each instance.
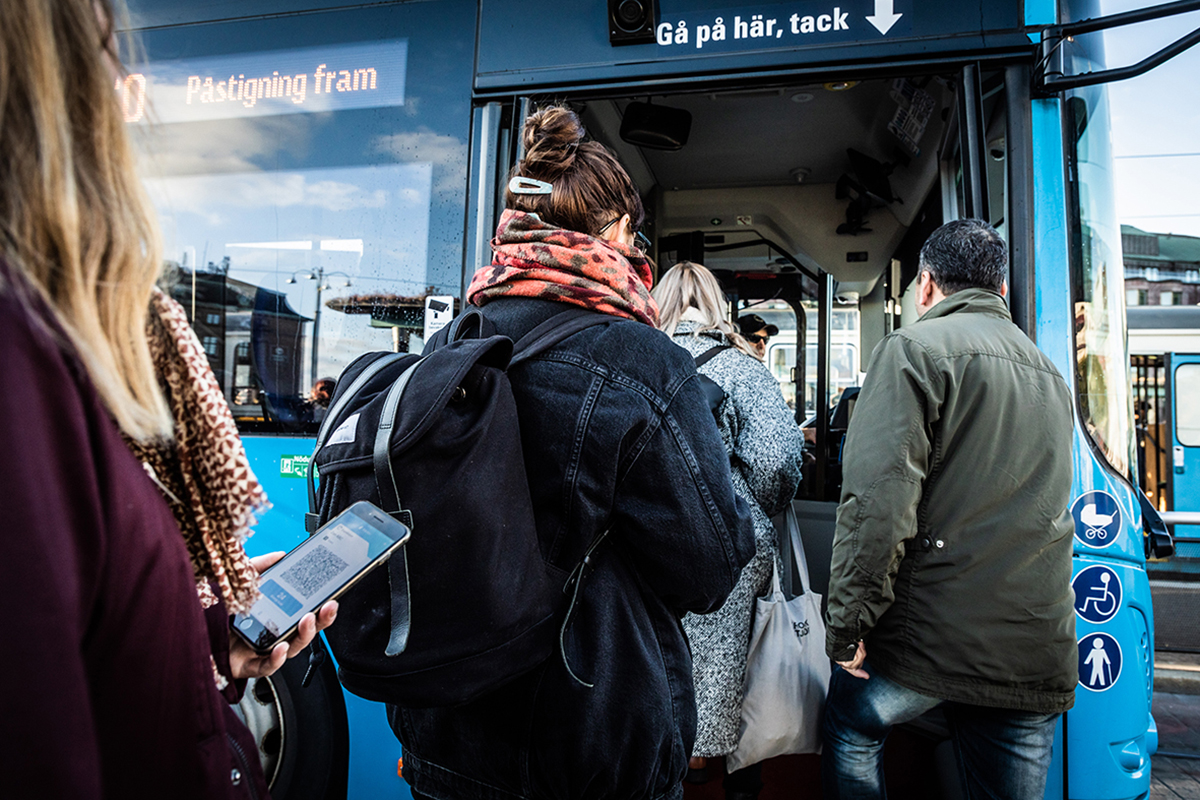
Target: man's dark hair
(966, 254)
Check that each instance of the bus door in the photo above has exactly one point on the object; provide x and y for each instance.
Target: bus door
(1176, 583)
(1184, 397)
(809, 198)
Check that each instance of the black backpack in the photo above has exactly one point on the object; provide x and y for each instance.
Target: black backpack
(468, 603)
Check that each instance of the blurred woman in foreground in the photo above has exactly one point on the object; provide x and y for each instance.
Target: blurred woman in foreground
(117, 682)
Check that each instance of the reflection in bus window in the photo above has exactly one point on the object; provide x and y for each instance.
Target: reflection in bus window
(1105, 398)
(310, 175)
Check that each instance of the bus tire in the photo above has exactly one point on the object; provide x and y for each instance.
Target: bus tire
(302, 734)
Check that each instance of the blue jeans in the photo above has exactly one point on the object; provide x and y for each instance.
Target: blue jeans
(1002, 754)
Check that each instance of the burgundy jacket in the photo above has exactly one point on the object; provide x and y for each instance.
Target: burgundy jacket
(106, 677)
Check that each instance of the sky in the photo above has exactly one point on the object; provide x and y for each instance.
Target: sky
(1156, 125)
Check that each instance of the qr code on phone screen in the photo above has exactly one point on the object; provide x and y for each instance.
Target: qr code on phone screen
(314, 570)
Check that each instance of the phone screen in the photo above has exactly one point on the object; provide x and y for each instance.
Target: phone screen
(334, 557)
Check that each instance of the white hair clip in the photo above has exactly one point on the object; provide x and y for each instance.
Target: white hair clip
(523, 185)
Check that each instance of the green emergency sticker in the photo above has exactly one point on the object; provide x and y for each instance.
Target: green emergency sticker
(294, 466)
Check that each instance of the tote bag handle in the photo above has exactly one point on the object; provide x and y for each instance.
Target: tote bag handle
(792, 557)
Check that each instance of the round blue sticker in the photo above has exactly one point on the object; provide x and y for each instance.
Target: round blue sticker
(1097, 593)
(1099, 662)
(1097, 519)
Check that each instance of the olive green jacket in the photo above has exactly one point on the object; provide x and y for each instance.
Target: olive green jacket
(952, 556)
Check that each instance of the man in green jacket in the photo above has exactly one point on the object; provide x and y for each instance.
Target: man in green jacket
(951, 574)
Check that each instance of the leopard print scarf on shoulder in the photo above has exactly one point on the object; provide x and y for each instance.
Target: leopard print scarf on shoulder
(203, 474)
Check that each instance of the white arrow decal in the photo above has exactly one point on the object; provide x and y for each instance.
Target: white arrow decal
(884, 17)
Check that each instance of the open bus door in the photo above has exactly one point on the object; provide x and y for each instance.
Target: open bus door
(826, 256)
(1183, 395)
(1169, 441)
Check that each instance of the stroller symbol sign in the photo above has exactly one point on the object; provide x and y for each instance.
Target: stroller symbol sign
(1097, 593)
(1097, 519)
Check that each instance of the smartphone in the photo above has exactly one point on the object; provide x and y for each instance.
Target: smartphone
(326, 564)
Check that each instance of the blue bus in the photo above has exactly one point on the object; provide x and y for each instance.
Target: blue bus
(329, 174)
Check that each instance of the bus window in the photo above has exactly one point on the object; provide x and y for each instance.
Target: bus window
(1187, 407)
(310, 175)
(1101, 366)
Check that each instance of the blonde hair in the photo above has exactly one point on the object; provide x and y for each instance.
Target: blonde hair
(73, 216)
(690, 285)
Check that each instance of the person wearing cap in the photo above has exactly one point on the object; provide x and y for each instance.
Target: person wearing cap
(756, 331)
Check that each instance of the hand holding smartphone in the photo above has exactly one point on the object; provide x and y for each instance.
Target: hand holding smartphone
(320, 569)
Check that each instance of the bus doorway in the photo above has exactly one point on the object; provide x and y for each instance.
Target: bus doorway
(810, 201)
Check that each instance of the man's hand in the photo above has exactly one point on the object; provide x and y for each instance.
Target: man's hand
(245, 663)
(854, 666)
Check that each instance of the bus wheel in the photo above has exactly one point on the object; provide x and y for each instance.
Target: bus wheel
(301, 732)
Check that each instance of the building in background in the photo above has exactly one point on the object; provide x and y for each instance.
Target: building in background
(1161, 269)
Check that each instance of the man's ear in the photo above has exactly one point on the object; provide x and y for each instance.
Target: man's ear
(925, 288)
(1004, 288)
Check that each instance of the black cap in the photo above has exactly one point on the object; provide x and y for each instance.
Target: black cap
(753, 323)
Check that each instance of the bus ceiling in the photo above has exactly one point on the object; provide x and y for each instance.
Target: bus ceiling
(806, 179)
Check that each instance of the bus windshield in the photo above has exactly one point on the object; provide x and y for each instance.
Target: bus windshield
(1101, 363)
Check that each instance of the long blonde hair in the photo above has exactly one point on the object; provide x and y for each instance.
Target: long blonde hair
(690, 285)
(74, 219)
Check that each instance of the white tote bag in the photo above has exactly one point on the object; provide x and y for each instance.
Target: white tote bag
(787, 673)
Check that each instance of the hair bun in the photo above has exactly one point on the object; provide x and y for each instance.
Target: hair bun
(551, 137)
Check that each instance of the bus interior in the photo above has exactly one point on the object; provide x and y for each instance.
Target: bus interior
(810, 203)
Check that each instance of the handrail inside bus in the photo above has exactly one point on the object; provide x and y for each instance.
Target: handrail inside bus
(795, 262)
(1048, 77)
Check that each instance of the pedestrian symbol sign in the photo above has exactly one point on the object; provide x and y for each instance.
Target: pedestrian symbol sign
(1097, 593)
(1099, 662)
(1097, 519)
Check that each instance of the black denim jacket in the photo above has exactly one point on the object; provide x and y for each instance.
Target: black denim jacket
(617, 435)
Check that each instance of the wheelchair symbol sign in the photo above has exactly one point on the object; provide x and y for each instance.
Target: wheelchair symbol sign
(1097, 593)
(1097, 519)
(1099, 662)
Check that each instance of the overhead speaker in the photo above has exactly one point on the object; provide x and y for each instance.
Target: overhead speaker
(631, 21)
(656, 127)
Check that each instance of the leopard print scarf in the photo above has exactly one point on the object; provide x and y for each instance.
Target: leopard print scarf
(204, 473)
(534, 259)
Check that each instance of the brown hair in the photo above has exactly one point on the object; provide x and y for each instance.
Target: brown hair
(590, 187)
(73, 217)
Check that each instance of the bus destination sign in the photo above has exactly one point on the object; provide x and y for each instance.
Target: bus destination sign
(299, 81)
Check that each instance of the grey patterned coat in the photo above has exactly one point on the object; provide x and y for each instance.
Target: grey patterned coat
(765, 452)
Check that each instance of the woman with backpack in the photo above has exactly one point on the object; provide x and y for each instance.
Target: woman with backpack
(765, 449)
(625, 464)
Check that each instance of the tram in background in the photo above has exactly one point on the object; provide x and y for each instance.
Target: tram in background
(1164, 355)
(323, 168)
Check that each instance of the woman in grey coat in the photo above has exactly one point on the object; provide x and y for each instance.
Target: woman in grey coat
(765, 453)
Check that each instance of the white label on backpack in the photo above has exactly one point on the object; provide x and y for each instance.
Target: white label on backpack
(345, 432)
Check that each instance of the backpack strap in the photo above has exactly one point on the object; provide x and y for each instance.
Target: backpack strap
(704, 357)
(389, 501)
(554, 330)
(328, 426)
